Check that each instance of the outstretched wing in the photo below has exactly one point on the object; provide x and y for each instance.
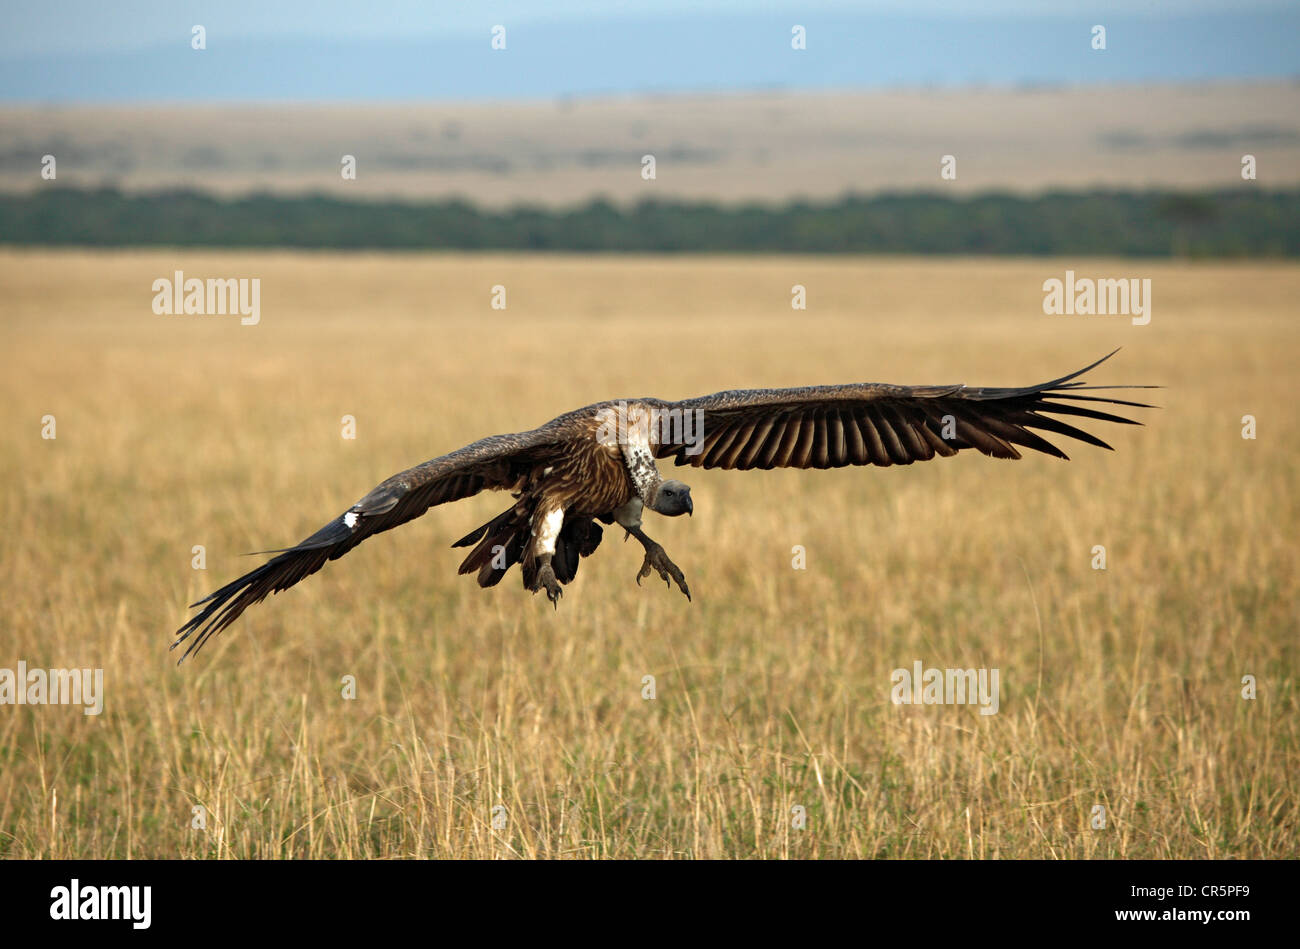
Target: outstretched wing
(874, 424)
(499, 462)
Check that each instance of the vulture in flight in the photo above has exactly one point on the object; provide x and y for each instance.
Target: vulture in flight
(598, 464)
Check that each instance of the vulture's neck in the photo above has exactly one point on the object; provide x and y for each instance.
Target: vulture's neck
(640, 461)
(630, 430)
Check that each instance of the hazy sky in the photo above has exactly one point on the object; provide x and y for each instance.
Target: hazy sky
(102, 25)
(96, 50)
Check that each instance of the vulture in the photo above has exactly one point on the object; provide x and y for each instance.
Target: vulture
(598, 464)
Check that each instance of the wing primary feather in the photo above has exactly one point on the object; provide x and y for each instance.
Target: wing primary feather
(872, 437)
(754, 445)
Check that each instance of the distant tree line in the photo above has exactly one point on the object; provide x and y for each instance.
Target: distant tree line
(1242, 222)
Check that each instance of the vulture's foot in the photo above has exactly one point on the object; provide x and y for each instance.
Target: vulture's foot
(656, 559)
(546, 580)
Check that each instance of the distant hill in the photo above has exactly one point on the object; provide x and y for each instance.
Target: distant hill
(770, 147)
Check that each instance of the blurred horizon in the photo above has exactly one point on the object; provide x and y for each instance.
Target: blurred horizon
(298, 111)
(731, 148)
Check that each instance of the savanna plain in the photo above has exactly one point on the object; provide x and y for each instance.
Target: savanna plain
(486, 724)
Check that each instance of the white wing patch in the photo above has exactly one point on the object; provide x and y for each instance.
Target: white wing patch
(350, 519)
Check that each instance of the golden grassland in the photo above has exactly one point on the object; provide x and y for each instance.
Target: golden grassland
(1120, 688)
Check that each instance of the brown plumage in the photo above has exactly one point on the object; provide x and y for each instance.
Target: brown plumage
(597, 463)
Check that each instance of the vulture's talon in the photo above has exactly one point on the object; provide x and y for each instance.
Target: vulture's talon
(656, 559)
(546, 580)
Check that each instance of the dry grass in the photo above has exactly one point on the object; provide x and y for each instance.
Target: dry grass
(1119, 688)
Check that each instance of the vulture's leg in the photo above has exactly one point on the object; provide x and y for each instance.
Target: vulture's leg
(546, 531)
(656, 559)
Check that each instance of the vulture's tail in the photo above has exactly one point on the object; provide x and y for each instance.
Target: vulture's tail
(500, 545)
(503, 542)
(224, 606)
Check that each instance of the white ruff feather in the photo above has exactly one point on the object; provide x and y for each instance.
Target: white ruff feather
(639, 458)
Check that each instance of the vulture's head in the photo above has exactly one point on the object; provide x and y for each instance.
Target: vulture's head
(672, 498)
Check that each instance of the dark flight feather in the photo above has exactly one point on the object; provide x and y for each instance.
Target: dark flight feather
(869, 423)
